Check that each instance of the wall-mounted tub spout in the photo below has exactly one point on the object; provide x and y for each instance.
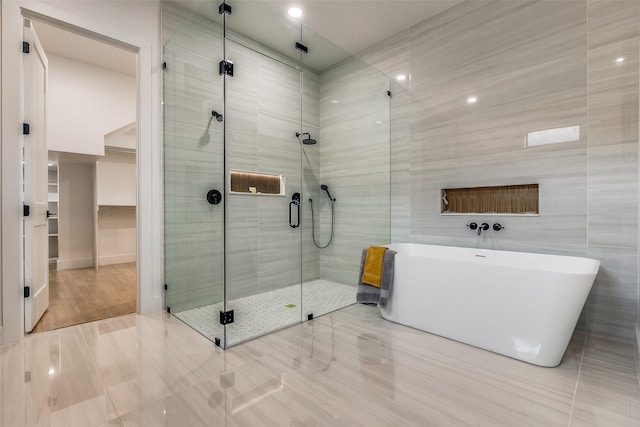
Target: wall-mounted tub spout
(483, 226)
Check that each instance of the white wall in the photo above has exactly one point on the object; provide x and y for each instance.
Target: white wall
(75, 216)
(116, 235)
(116, 179)
(136, 24)
(588, 188)
(85, 102)
(116, 199)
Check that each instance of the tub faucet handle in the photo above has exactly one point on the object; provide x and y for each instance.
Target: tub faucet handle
(483, 226)
(472, 225)
(497, 227)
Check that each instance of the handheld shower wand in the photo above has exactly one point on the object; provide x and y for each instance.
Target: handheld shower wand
(325, 188)
(333, 219)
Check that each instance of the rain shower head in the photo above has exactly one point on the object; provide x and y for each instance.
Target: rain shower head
(308, 140)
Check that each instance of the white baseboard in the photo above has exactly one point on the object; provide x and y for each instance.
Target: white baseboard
(116, 259)
(70, 264)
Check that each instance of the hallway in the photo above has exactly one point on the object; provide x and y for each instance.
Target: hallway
(84, 295)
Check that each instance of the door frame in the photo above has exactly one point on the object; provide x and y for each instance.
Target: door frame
(149, 161)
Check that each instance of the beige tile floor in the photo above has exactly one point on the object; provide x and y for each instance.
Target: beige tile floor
(348, 368)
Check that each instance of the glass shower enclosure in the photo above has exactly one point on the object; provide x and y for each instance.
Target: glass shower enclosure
(276, 169)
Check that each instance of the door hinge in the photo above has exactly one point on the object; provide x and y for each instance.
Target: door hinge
(166, 287)
(226, 317)
(27, 291)
(26, 129)
(224, 8)
(164, 65)
(302, 48)
(226, 68)
(25, 47)
(168, 309)
(389, 93)
(26, 210)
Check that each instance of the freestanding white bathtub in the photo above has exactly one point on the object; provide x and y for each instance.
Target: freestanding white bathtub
(521, 305)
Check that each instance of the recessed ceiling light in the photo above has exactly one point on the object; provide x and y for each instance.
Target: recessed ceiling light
(378, 122)
(620, 60)
(472, 100)
(401, 77)
(334, 101)
(295, 12)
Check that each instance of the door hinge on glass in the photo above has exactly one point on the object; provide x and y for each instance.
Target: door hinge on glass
(226, 317)
(25, 47)
(26, 129)
(226, 68)
(27, 291)
(26, 210)
(302, 48)
(224, 8)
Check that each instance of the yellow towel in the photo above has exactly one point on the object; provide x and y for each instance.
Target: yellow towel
(372, 273)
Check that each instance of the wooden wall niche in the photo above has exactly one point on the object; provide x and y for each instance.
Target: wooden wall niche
(256, 183)
(499, 200)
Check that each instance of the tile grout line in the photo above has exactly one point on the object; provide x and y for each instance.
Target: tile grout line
(575, 389)
(99, 374)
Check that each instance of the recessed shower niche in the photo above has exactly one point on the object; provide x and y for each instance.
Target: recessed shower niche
(498, 200)
(256, 183)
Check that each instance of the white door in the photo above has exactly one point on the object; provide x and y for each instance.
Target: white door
(36, 239)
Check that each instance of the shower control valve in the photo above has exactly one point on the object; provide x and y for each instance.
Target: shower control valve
(214, 197)
(472, 225)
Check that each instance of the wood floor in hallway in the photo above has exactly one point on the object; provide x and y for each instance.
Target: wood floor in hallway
(84, 294)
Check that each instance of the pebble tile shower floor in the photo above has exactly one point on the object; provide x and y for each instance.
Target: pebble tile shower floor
(259, 314)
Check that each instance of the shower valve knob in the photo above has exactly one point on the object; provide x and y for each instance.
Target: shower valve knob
(472, 225)
(214, 197)
(497, 227)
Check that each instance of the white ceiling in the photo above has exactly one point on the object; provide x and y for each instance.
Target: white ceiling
(60, 42)
(351, 25)
(345, 27)
(355, 25)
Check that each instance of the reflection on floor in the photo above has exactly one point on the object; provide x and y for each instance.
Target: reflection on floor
(259, 314)
(347, 368)
(84, 294)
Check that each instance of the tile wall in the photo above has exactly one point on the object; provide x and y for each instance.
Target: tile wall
(354, 163)
(532, 65)
(263, 113)
(193, 161)
(344, 107)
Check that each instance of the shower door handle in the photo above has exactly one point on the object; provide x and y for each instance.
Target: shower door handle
(295, 201)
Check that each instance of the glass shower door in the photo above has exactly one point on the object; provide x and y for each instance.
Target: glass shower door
(194, 173)
(263, 259)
